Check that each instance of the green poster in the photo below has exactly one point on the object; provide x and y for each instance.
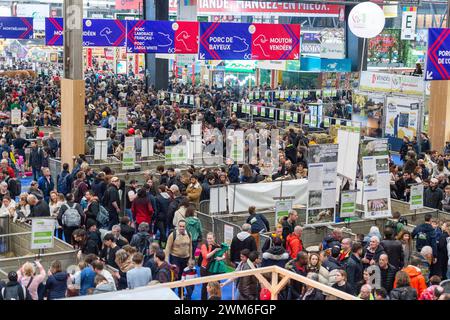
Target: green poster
(277, 94)
(271, 113)
(175, 155)
(266, 95)
(254, 110)
(295, 116)
(281, 115)
(348, 204)
(257, 95)
(288, 116)
(282, 209)
(263, 112)
(294, 94)
(314, 121)
(307, 119)
(172, 97)
(234, 106)
(326, 122)
(178, 98)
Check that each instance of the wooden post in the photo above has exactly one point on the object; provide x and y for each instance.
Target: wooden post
(273, 293)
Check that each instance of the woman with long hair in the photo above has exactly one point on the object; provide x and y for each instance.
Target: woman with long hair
(341, 282)
(405, 238)
(193, 227)
(214, 291)
(247, 175)
(315, 265)
(208, 248)
(403, 290)
(125, 263)
(142, 209)
(180, 214)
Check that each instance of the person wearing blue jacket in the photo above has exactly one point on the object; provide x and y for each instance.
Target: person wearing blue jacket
(87, 276)
(46, 184)
(425, 235)
(233, 173)
(56, 285)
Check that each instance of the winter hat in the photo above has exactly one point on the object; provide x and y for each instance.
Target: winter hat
(131, 131)
(12, 276)
(264, 294)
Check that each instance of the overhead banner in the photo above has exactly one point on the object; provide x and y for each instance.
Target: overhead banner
(391, 83)
(162, 36)
(258, 8)
(96, 32)
(376, 179)
(409, 18)
(322, 173)
(245, 41)
(16, 28)
(438, 64)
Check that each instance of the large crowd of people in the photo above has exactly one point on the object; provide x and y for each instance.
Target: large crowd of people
(131, 235)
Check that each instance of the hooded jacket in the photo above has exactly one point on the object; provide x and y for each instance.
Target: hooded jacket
(425, 236)
(416, 278)
(56, 286)
(162, 206)
(275, 256)
(294, 245)
(394, 250)
(194, 227)
(243, 240)
(258, 222)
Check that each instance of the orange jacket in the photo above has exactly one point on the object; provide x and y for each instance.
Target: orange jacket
(293, 245)
(416, 278)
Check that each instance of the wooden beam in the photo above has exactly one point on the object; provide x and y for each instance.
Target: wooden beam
(273, 292)
(281, 285)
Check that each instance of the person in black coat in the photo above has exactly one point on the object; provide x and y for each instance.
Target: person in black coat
(126, 230)
(275, 255)
(393, 249)
(332, 262)
(38, 208)
(161, 214)
(243, 240)
(387, 272)
(206, 187)
(341, 282)
(354, 267)
(442, 252)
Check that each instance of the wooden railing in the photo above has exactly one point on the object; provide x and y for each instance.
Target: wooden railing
(279, 279)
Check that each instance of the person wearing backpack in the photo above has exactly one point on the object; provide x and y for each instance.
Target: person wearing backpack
(14, 185)
(56, 284)
(96, 211)
(70, 217)
(179, 247)
(425, 235)
(63, 181)
(14, 290)
(79, 187)
(111, 201)
(28, 278)
(163, 271)
(142, 240)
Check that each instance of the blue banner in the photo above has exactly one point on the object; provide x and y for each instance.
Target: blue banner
(438, 64)
(96, 32)
(150, 36)
(225, 41)
(314, 64)
(16, 28)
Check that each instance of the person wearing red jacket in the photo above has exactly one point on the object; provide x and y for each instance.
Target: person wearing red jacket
(142, 209)
(294, 242)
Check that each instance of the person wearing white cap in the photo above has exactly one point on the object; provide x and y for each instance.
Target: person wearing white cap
(433, 195)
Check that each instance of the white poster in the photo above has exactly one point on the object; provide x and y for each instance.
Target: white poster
(16, 116)
(37, 11)
(218, 199)
(322, 174)
(122, 119)
(101, 134)
(196, 129)
(101, 150)
(348, 204)
(228, 234)
(282, 209)
(376, 179)
(391, 83)
(147, 147)
(42, 233)
(409, 18)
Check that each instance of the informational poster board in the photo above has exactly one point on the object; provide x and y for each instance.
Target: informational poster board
(416, 197)
(101, 144)
(42, 233)
(218, 199)
(322, 173)
(348, 204)
(282, 209)
(228, 234)
(147, 147)
(367, 108)
(101, 134)
(16, 116)
(129, 154)
(235, 145)
(122, 119)
(196, 129)
(376, 179)
(176, 154)
(402, 119)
